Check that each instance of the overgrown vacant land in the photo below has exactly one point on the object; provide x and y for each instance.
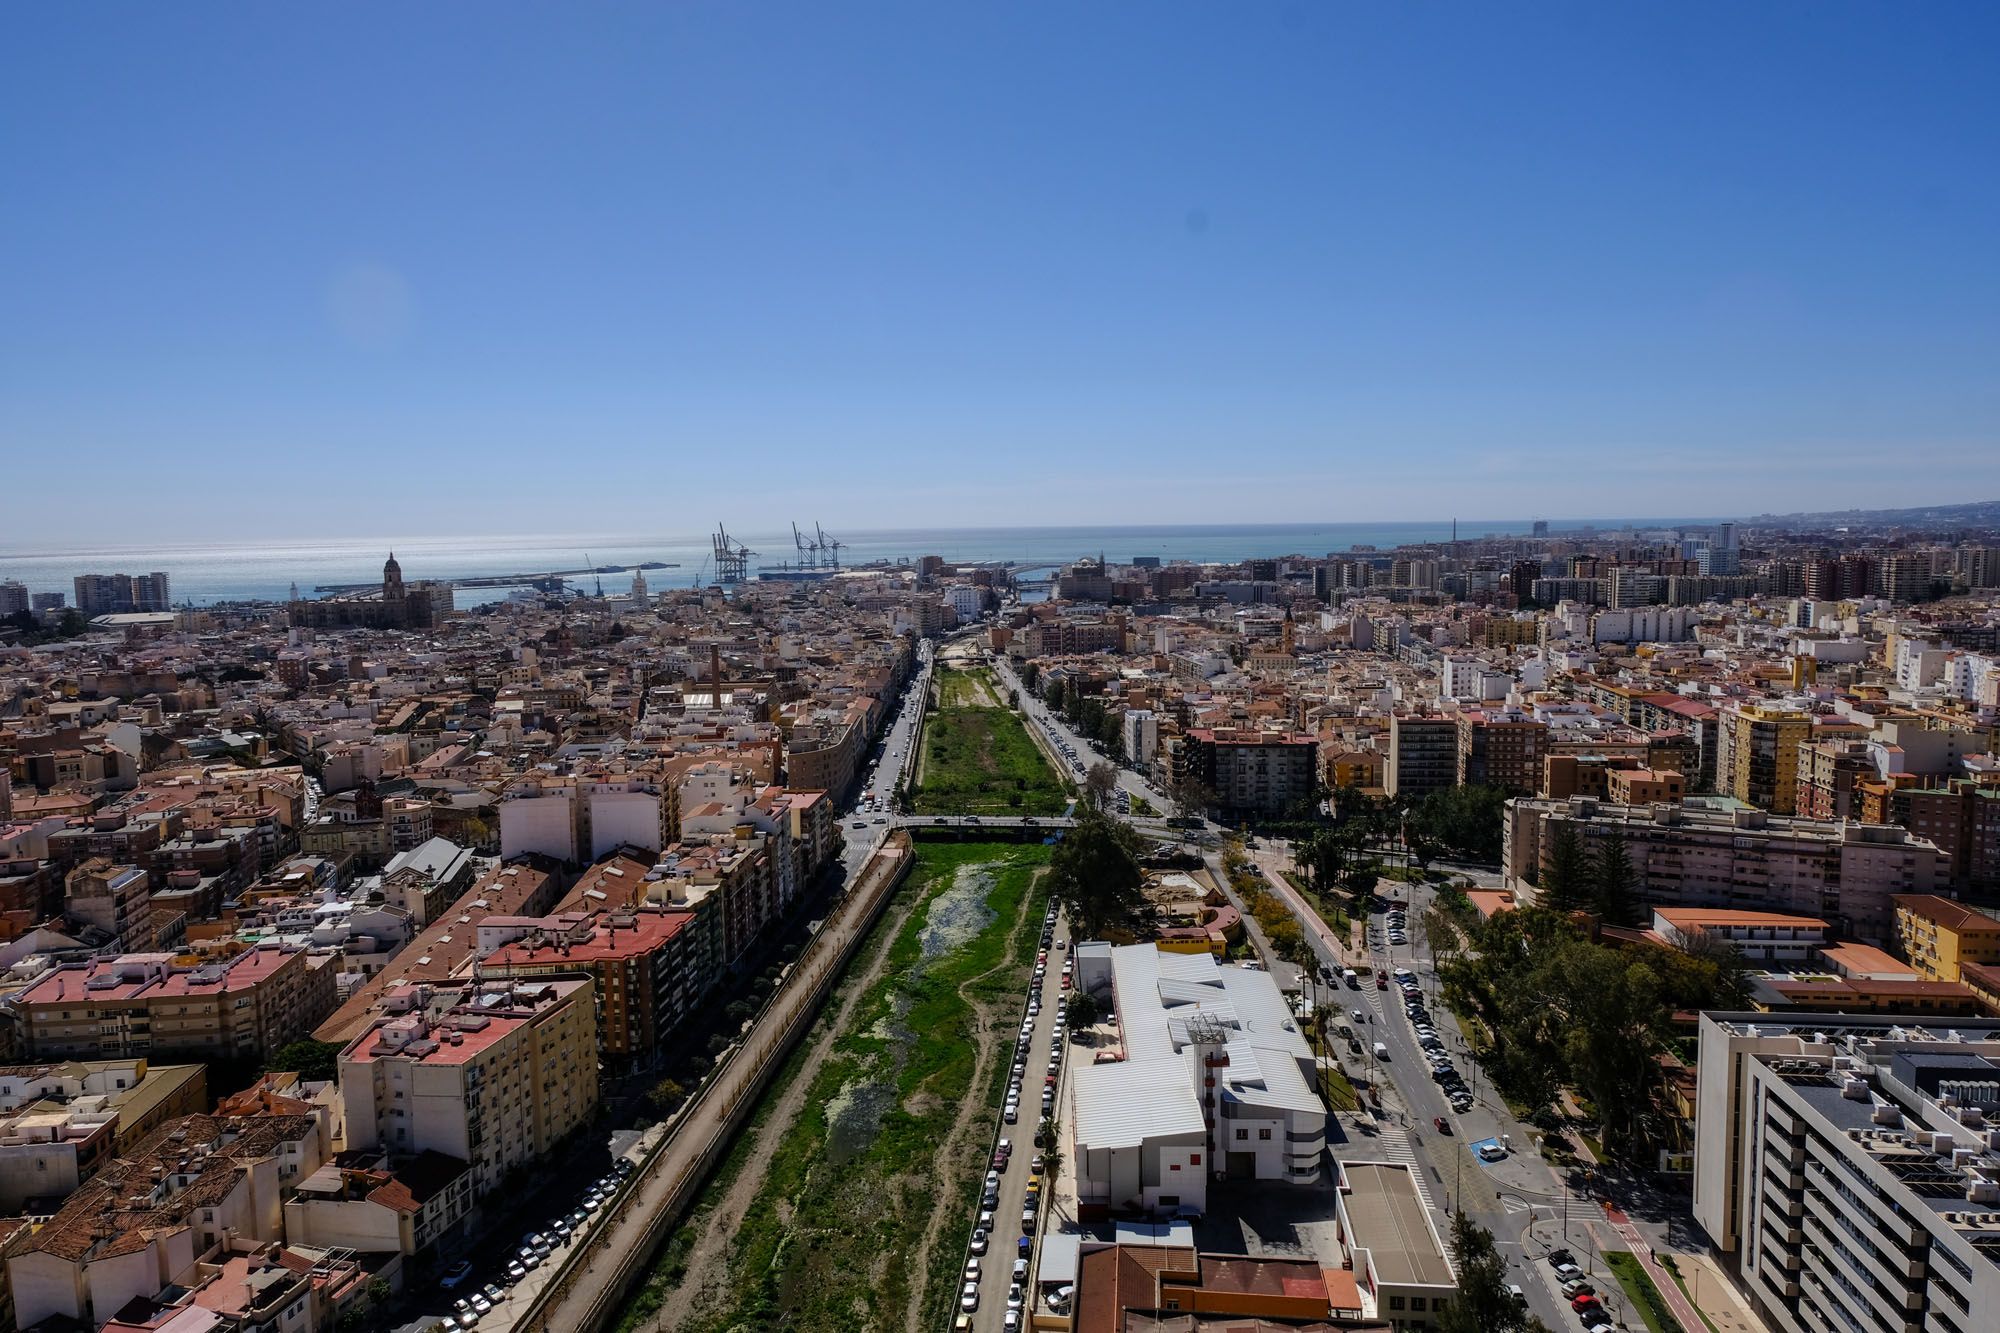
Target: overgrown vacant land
(857, 1185)
(978, 758)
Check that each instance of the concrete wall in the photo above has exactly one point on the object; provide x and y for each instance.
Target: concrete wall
(354, 1223)
(544, 824)
(623, 818)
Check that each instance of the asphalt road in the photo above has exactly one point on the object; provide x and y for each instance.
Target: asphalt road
(1003, 1244)
(1505, 1197)
(888, 758)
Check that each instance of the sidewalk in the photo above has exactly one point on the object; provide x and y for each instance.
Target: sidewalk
(1716, 1296)
(1670, 1290)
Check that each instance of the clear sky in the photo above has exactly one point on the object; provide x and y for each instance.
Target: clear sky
(292, 268)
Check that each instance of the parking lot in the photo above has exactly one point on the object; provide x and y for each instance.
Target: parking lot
(1013, 1206)
(487, 1289)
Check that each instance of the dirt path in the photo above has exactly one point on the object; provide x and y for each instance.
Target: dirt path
(708, 1259)
(945, 1165)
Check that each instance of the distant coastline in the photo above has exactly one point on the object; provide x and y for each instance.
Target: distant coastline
(205, 573)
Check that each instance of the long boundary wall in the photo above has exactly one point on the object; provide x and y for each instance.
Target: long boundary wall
(599, 1274)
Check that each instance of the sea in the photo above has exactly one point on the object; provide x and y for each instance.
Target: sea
(205, 573)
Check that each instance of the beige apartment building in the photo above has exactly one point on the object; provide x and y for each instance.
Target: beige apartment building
(493, 1074)
(1757, 755)
(1710, 854)
(149, 1003)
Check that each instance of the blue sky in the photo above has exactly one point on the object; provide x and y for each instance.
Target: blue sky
(314, 268)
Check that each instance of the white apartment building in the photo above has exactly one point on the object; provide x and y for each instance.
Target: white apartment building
(627, 811)
(1850, 1167)
(968, 600)
(542, 814)
(1142, 737)
(1202, 1044)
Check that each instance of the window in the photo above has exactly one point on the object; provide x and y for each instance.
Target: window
(1194, 1159)
(1264, 1135)
(1242, 1134)
(1395, 1302)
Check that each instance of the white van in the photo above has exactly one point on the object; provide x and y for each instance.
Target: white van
(1381, 1051)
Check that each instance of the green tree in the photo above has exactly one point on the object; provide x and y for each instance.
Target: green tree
(1616, 884)
(1094, 873)
(1081, 1011)
(1100, 782)
(1464, 821)
(317, 1061)
(1358, 880)
(1483, 1303)
(1192, 797)
(665, 1096)
(1565, 878)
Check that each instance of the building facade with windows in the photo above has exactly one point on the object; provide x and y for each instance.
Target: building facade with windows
(1849, 1168)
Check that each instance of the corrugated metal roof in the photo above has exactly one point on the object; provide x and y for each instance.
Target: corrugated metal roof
(1123, 1105)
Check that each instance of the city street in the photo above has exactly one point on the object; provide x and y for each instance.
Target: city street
(996, 1267)
(888, 759)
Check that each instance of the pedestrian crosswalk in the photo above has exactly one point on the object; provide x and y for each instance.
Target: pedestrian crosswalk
(1400, 1148)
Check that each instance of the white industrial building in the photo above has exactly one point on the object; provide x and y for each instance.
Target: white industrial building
(1215, 1080)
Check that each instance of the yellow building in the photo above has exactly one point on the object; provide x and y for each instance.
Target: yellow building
(1757, 755)
(1940, 936)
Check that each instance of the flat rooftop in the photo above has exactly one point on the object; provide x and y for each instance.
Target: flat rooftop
(1389, 1221)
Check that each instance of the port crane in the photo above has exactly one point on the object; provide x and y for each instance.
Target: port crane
(732, 558)
(818, 551)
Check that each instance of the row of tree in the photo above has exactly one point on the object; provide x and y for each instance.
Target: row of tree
(1087, 715)
(1597, 877)
(1561, 1010)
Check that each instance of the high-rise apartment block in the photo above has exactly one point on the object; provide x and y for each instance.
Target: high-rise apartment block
(1757, 755)
(1423, 754)
(1850, 1168)
(1501, 747)
(1251, 770)
(116, 594)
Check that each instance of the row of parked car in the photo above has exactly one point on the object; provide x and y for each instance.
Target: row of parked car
(1003, 1152)
(1443, 1072)
(536, 1249)
(1581, 1295)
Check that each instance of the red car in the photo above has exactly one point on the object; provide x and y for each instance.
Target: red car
(1381, 981)
(1443, 1125)
(1583, 1303)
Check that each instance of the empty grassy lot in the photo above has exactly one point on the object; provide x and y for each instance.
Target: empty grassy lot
(978, 759)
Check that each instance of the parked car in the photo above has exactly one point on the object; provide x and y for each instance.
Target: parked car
(456, 1274)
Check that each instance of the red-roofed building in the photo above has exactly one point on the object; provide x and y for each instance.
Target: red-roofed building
(647, 962)
(150, 1004)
